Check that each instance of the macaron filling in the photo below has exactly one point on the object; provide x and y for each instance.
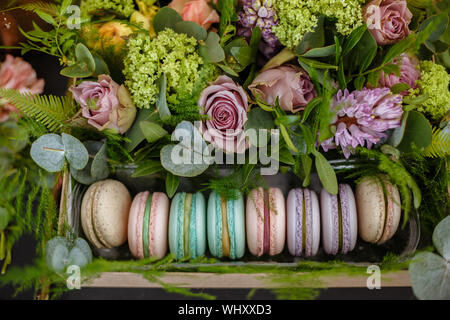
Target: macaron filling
(180, 226)
(145, 226)
(307, 222)
(266, 247)
(299, 222)
(345, 242)
(225, 234)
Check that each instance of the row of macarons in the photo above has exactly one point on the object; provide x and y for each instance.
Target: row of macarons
(265, 223)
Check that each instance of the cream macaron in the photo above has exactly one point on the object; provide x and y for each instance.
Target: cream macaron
(378, 209)
(104, 213)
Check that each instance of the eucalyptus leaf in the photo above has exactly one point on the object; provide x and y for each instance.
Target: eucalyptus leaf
(441, 238)
(192, 29)
(152, 131)
(100, 168)
(430, 276)
(326, 174)
(135, 134)
(211, 51)
(186, 159)
(416, 130)
(75, 152)
(166, 18)
(161, 103)
(93, 172)
(77, 70)
(172, 183)
(243, 55)
(100, 65)
(83, 55)
(48, 152)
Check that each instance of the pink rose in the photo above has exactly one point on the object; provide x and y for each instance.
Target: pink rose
(226, 106)
(197, 11)
(409, 73)
(105, 104)
(17, 74)
(290, 84)
(387, 20)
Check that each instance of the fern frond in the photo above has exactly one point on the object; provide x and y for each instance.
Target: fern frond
(51, 111)
(440, 143)
(47, 7)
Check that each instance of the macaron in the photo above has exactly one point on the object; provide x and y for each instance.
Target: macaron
(266, 221)
(379, 209)
(303, 222)
(104, 213)
(187, 225)
(226, 226)
(147, 225)
(339, 220)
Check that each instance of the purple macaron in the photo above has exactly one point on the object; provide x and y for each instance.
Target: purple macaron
(303, 222)
(339, 220)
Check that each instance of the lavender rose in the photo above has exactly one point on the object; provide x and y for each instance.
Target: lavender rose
(409, 73)
(226, 106)
(105, 104)
(290, 83)
(387, 20)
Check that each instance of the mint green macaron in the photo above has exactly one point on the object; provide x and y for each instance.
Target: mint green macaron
(187, 225)
(226, 226)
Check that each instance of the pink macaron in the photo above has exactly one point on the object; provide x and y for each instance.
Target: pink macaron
(303, 222)
(339, 220)
(266, 221)
(148, 225)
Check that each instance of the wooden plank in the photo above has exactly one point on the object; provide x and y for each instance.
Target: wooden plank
(236, 280)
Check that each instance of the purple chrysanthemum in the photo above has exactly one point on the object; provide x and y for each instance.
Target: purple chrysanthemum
(362, 117)
(262, 14)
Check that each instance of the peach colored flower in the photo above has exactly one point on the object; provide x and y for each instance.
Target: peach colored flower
(197, 11)
(17, 74)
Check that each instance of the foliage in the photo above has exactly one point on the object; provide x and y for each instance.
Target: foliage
(122, 8)
(440, 143)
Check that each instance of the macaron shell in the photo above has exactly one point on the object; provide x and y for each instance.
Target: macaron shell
(293, 212)
(176, 210)
(87, 215)
(371, 209)
(329, 222)
(277, 221)
(315, 223)
(254, 222)
(212, 224)
(349, 218)
(135, 224)
(159, 219)
(393, 212)
(111, 207)
(200, 222)
(239, 227)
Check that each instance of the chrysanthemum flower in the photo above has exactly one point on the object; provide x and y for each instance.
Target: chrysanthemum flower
(363, 117)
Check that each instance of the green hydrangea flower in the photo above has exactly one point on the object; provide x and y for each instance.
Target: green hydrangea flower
(174, 55)
(297, 17)
(433, 83)
(123, 8)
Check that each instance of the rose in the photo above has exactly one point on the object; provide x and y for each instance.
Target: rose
(17, 74)
(409, 73)
(387, 20)
(197, 11)
(105, 104)
(290, 84)
(226, 106)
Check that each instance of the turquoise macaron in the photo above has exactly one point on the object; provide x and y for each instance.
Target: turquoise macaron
(226, 226)
(187, 225)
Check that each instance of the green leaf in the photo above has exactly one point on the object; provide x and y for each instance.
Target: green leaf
(92, 173)
(313, 39)
(282, 57)
(161, 103)
(146, 168)
(287, 120)
(310, 107)
(285, 156)
(367, 49)
(75, 152)
(391, 68)
(430, 276)
(152, 131)
(367, 59)
(4, 218)
(243, 55)
(373, 77)
(320, 52)
(287, 138)
(353, 39)
(441, 238)
(46, 17)
(48, 152)
(192, 29)
(326, 174)
(211, 51)
(309, 138)
(227, 69)
(341, 76)
(399, 48)
(187, 158)
(258, 119)
(100, 65)
(434, 26)
(359, 82)
(135, 135)
(399, 87)
(298, 139)
(172, 183)
(77, 70)
(415, 129)
(84, 56)
(316, 64)
(166, 18)
(99, 168)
